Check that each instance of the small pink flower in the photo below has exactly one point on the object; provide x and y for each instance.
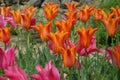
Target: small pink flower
(50, 72)
(90, 49)
(15, 73)
(7, 58)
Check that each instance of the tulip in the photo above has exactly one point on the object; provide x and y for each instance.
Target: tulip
(114, 54)
(5, 35)
(16, 15)
(64, 25)
(1, 78)
(50, 10)
(57, 40)
(5, 20)
(2, 22)
(15, 73)
(69, 56)
(92, 48)
(85, 13)
(98, 14)
(111, 23)
(43, 30)
(71, 6)
(116, 11)
(7, 58)
(5, 11)
(27, 21)
(29, 9)
(50, 72)
(86, 36)
(72, 15)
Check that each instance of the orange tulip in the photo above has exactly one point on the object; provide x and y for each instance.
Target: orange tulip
(98, 14)
(5, 35)
(4, 11)
(86, 36)
(71, 6)
(29, 9)
(16, 16)
(115, 55)
(116, 11)
(50, 10)
(64, 25)
(72, 15)
(69, 56)
(111, 23)
(57, 40)
(85, 12)
(43, 31)
(27, 21)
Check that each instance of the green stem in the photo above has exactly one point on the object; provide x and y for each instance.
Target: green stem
(86, 61)
(78, 70)
(53, 25)
(70, 74)
(118, 74)
(28, 39)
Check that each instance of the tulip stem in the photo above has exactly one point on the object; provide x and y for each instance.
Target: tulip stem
(86, 61)
(5, 46)
(118, 74)
(28, 39)
(70, 74)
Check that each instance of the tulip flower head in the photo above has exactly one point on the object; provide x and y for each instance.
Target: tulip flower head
(71, 6)
(111, 23)
(16, 16)
(114, 54)
(85, 13)
(98, 14)
(56, 41)
(27, 21)
(69, 56)
(5, 35)
(5, 11)
(43, 30)
(7, 58)
(64, 25)
(15, 73)
(50, 10)
(50, 72)
(116, 11)
(86, 36)
(92, 48)
(72, 16)
(2, 22)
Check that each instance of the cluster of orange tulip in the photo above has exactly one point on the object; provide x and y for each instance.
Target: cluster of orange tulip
(58, 41)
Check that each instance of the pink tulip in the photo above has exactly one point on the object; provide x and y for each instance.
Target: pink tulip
(15, 73)
(50, 72)
(90, 49)
(5, 20)
(2, 22)
(7, 58)
(10, 21)
(1, 78)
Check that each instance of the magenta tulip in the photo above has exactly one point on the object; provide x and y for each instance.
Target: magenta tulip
(50, 72)
(7, 58)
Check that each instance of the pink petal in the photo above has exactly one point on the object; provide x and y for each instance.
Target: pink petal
(2, 22)
(11, 21)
